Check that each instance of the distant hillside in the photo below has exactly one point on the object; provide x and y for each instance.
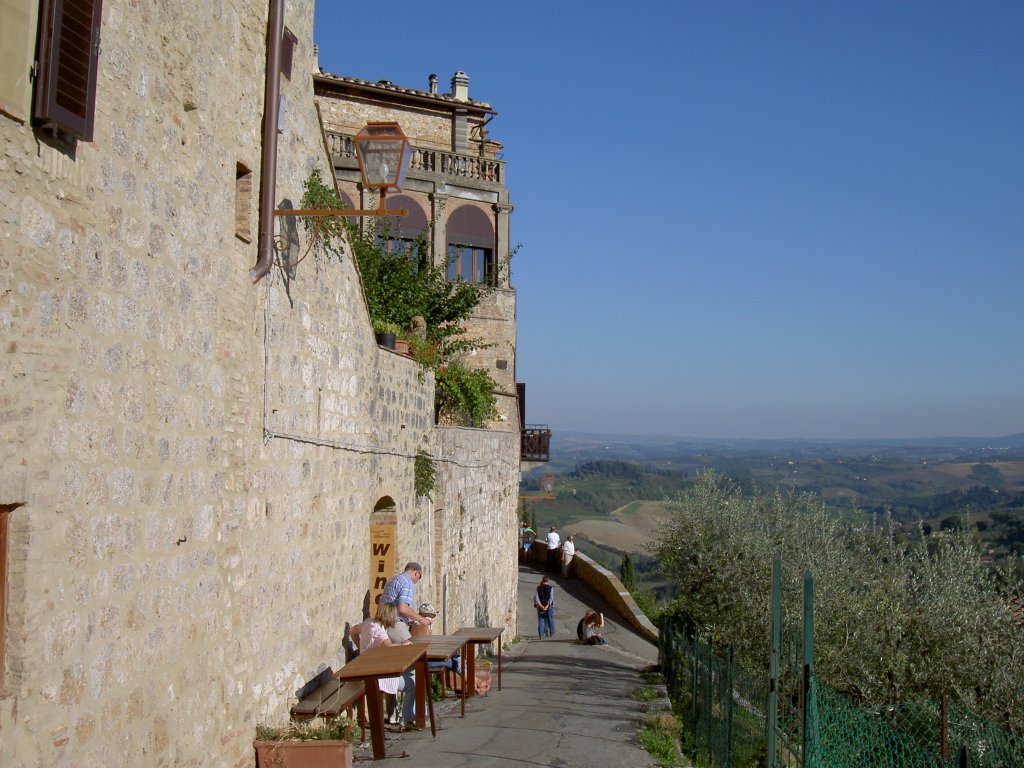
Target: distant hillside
(911, 481)
(571, 448)
(596, 488)
(951, 483)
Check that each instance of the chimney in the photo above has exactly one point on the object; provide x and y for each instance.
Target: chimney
(460, 86)
(433, 84)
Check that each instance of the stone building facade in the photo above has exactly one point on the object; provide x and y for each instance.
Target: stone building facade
(191, 465)
(455, 192)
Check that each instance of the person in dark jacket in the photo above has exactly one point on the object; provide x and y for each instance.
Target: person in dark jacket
(544, 602)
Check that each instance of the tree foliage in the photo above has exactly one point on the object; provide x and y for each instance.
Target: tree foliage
(401, 282)
(465, 396)
(627, 575)
(893, 620)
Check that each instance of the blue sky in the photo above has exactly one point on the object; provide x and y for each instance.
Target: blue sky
(747, 219)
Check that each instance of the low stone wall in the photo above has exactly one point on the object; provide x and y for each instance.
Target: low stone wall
(606, 584)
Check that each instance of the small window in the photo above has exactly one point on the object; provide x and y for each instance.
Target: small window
(243, 203)
(401, 245)
(69, 51)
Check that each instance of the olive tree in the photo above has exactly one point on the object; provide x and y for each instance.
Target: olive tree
(893, 621)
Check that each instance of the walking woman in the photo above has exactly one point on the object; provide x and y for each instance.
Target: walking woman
(544, 602)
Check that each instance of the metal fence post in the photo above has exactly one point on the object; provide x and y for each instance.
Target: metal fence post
(773, 668)
(708, 712)
(694, 655)
(944, 729)
(810, 740)
(729, 705)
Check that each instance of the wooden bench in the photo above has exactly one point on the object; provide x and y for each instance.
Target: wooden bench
(326, 696)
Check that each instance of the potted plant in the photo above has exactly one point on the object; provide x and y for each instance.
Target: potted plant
(482, 672)
(386, 333)
(310, 744)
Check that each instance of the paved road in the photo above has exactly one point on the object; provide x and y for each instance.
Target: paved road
(562, 704)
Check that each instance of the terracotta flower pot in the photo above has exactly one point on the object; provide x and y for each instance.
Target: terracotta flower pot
(483, 681)
(303, 754)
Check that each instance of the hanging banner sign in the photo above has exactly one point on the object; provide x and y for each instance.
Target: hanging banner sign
(383, 560)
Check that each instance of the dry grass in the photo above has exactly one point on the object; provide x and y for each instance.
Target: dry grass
(628, 528)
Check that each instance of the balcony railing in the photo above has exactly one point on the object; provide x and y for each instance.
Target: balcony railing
(535, 444)
(437, 162)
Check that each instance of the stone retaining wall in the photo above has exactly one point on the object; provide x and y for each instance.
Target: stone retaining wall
(606, 584)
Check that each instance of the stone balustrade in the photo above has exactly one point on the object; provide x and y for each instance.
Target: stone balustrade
(455, 166)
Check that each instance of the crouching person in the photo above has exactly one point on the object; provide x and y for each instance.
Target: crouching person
(589, 629)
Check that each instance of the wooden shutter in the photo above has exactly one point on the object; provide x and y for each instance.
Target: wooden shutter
(521, 397)
(5, 515)
(69, 49)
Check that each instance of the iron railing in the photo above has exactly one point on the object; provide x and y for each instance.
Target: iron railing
(535, 443)
(425, 161)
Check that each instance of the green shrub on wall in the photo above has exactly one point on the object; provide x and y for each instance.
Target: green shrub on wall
(401, 282)
(465, 396)
(425, 474)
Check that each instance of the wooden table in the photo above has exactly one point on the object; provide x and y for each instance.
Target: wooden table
(442, 648)
(389, 661)
(481, 635)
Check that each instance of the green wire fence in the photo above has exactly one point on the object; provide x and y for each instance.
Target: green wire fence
(787, 718)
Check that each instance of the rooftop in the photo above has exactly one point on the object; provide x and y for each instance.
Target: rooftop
(395, 92)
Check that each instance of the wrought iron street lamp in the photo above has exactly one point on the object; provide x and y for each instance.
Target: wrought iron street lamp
(383, 153)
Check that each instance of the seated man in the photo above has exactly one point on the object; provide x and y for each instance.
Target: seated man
(400, 592)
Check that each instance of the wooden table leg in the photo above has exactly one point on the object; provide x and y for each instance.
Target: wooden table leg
(470, 667)
(499, 662)
(462, 671)
(376, 717)
(423, 698)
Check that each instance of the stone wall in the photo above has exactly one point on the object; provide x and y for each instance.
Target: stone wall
(423, 126)
(605, 583)
(193, 459)
(495, 320)
(422, 129)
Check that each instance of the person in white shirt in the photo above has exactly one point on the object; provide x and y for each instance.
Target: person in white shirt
(554, 540)
(568, 550)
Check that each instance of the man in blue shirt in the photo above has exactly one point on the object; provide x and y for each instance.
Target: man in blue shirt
(401, 592)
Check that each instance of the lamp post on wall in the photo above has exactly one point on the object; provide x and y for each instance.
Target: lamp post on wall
(383, 153)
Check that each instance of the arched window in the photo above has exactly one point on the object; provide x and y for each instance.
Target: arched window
(401, 232)
(470, 237)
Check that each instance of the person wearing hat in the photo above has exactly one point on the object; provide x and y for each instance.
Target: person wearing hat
(426, 611)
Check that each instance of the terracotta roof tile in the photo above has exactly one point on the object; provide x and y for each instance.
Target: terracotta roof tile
(387, 85)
